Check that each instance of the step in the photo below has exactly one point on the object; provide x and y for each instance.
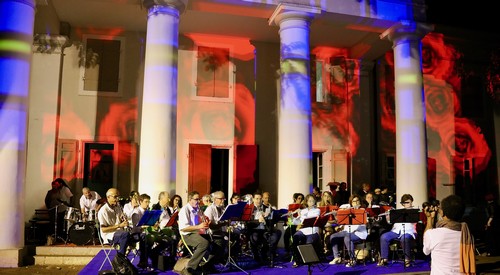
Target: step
(68, 254)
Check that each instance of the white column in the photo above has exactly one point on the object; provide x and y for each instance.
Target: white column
(16, 38)
(294, 122)
(411, 148)
(157, 143)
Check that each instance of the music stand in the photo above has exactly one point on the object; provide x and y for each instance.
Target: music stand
(234, 212)
(149, 218)
(403, 216)
(350, 217)
(308, 255)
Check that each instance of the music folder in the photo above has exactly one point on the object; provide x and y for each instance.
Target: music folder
(150, 217)
(173, 219)
(280, 214)
(319, 221)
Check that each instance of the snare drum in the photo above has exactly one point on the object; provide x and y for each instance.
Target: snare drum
(81, 233)
(72, 214)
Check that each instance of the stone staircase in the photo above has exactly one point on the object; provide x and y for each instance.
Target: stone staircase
(67, 254)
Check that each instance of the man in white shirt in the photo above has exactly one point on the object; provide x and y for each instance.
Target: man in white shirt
(193, 227)
(443, 241)
(112, 221)
(88, 202)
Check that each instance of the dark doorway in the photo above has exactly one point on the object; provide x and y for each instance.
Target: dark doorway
(98, 167)
(220, 171)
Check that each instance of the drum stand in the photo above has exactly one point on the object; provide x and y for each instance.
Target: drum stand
(55, 225)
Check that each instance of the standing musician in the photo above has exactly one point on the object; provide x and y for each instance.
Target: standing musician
(262, 232)
(405, 232)
(112, 222)
(307, 235)
(88, 202)
(193, 227)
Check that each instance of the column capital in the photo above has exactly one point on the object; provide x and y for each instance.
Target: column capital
(45, 43)
(178, 4)
(406, 30)
(297, 11)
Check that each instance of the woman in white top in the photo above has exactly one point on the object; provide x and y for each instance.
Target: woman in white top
(305, 235)
(348, 234)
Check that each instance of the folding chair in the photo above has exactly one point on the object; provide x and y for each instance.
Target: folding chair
(189, 248)
(106, 248)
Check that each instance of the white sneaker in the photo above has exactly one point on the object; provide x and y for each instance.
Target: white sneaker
(336, 261)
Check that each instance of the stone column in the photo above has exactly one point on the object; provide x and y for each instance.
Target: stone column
(411, 147)
(16, 38)
(294, 121)
(157, 129)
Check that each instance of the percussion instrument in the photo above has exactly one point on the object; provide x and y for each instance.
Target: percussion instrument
(72, 214)
(81, 233)
(91, 216)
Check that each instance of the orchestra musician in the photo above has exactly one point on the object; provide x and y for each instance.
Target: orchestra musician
(88, 202)
(348, 235)
(291, 228)
(405, 232)
(193, 227)
(218, 228)
(137, 233)
(264, 237)
(112, 223)
(308, 235)
(162, 236)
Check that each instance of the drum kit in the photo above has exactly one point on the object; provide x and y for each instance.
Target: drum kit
(81, 226)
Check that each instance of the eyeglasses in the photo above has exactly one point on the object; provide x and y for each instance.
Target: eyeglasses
(355, 200)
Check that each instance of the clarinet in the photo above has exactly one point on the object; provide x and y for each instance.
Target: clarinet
(205, 219)
(123, 218)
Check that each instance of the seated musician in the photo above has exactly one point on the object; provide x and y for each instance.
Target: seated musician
(112, 222)
(291, 228)
(137, 232)
(219, 228)
(163, 237)
(88, 202)
(405, 232)
(348, 235)
(326, 201)
(308, 235)
(264, 237)
(193, 227)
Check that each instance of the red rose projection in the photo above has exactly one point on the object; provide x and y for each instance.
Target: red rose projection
(336, 117)
(451, 139)
(463, 141)
(441, 102)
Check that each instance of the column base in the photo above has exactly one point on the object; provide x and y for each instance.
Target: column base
(12, 257)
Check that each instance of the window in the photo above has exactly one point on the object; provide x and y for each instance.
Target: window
(214, 74)
(101, 62)
(320, 77)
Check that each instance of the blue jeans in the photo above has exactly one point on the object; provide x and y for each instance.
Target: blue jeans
(387, 237)
(347, 238)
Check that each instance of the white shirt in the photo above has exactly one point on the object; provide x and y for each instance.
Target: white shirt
(213, 213)
(136, 217)
(188, 216)
(108, 216)
(165, 217)
(444, 246)
(128, 209)
(89, 204)
(305, 214)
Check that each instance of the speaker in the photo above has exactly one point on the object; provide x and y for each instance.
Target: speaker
(308, 254)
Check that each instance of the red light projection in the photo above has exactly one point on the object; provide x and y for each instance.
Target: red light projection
(453, 141)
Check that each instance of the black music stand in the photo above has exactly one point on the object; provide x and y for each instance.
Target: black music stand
(234, 212)
(308, 255)
(404, 216)
(351, 216)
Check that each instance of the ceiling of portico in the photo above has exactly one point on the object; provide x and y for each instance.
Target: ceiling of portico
(224, 18)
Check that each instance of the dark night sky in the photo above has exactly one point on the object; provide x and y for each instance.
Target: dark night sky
(480, 16)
